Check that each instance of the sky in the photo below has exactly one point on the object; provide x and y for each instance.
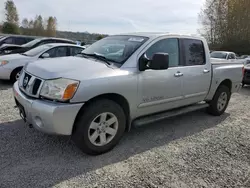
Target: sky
(115, 16)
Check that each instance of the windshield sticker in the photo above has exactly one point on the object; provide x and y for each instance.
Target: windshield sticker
(136, 39)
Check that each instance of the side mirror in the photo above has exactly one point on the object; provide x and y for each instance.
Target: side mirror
(45, 55)
(160, 61)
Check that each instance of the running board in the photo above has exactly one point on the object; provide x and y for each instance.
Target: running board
(171, 113)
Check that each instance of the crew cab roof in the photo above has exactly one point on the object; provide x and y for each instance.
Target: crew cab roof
(159, 34)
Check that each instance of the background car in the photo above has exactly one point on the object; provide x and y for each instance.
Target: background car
(223, 55)
(244, 56)
(12, 64)
(12, 49)
(16, 40)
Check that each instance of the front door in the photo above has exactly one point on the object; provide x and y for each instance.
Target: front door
(160, 90)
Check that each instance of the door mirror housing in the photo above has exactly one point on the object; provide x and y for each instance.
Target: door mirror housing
(45, 55)
(160, 61)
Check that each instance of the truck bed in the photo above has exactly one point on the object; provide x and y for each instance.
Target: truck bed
(224, 70)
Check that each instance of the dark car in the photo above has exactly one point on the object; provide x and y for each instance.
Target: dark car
(15, 40)
(246, 73)
(12, 49)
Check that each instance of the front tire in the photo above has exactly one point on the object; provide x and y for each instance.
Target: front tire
(100, 127)
(220, 101)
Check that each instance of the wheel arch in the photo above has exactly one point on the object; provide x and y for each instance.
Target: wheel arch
(119, 99)
(226, 82)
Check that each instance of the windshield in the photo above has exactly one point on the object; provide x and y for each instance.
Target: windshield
(116, 48)
(31, 43)
(36, 51)
(219, 55)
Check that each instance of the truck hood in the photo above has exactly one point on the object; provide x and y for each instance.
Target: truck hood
(77, 68)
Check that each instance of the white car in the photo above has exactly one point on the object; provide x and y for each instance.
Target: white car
(11, 65)
(223, 55)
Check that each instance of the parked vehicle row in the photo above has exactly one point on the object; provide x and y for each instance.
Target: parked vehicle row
(12, 64)
(15, 40)
(120, 81)
(13, 49)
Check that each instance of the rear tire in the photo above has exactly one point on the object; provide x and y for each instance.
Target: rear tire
(15, 74)
(220, 101)
(96, 133)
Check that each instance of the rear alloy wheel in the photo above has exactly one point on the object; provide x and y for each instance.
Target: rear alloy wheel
(220, 101)
(99, 127)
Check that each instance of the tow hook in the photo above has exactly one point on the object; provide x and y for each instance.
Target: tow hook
(30, 126)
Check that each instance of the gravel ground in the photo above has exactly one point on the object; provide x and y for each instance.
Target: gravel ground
(193, 150)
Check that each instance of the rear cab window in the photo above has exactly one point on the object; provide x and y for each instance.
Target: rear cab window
(231, 56)
(193, 52)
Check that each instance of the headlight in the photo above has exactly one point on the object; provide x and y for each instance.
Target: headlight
(59, 89)
(4, 62)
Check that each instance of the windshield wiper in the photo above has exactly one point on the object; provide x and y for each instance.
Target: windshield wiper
(98, 56)
(24, 54)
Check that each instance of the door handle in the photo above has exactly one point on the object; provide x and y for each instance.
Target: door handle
(206, 71)
(178, 74)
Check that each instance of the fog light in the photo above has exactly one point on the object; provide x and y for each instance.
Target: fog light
(38, 121)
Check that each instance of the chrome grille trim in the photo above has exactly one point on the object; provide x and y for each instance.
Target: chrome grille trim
(29, 88)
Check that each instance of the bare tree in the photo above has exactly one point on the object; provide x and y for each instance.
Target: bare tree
(225, 24)
(11, 12)
(51, 26)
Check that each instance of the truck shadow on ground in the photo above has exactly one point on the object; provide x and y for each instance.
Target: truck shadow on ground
(49, 160)
(4, 85)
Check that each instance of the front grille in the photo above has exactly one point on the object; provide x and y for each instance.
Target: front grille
(30, 84)
(36, 86)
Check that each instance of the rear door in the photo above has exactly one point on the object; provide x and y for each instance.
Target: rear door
(196, 71)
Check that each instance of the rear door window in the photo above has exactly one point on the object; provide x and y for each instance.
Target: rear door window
(57, 52)
(193, 52)
(20, 40)
(74, 50)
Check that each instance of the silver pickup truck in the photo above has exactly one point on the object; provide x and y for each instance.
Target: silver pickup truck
(120, 81)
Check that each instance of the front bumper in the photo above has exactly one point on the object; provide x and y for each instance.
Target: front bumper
(5, 73)
(48, 117)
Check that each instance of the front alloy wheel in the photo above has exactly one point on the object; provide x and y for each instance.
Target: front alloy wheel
(103, 129)
(99, 127)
